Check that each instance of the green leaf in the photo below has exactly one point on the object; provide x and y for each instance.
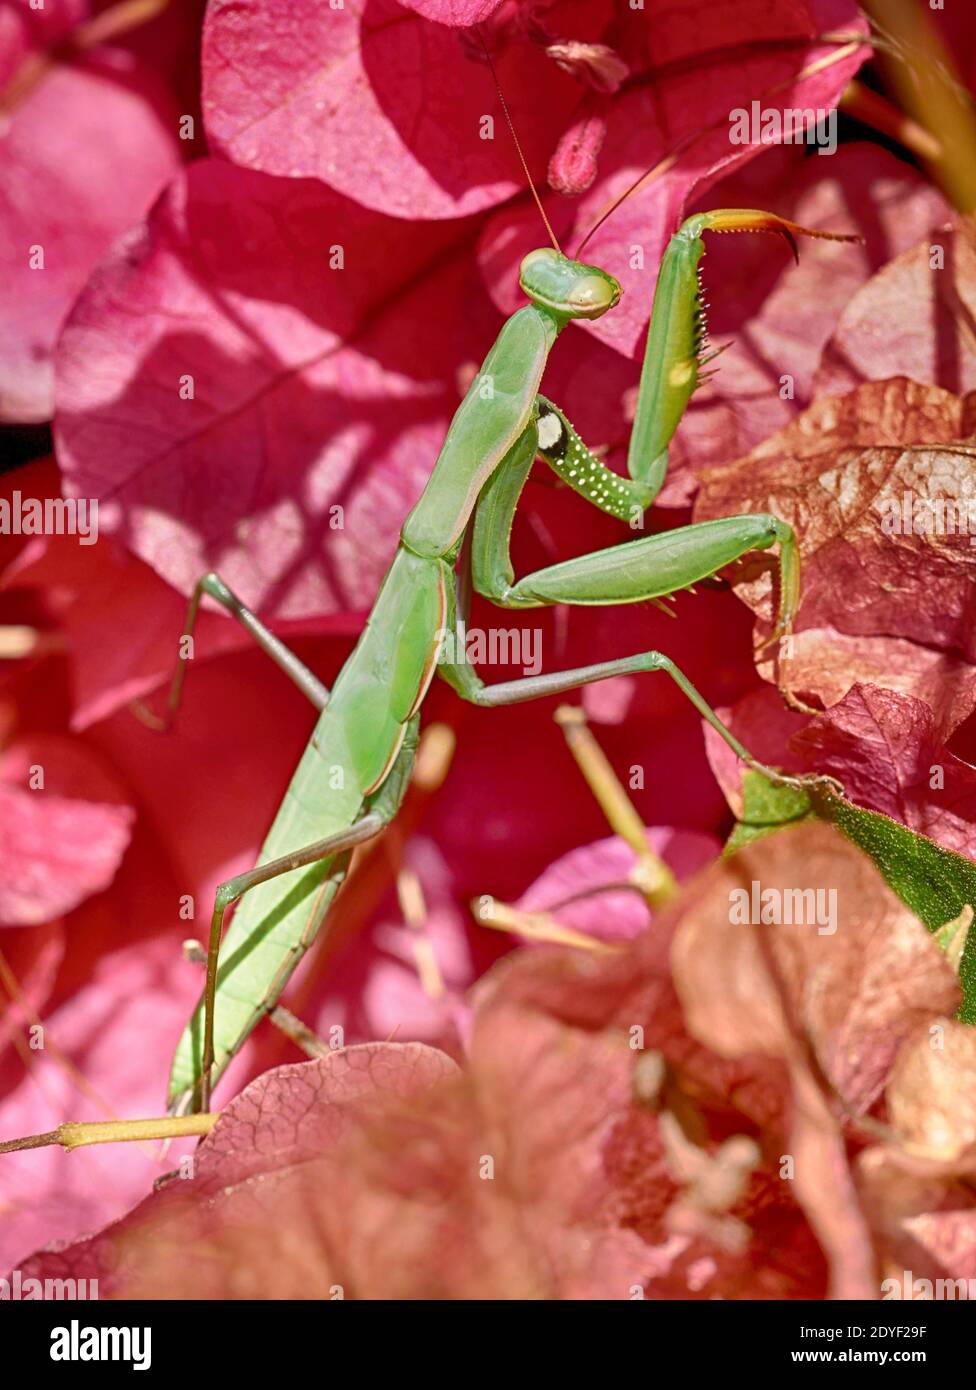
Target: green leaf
(934, 883)
(765, 807)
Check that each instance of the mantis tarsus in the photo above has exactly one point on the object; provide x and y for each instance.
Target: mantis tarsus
(353, 774)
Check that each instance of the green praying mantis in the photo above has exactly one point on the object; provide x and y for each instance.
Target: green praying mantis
(355, 769)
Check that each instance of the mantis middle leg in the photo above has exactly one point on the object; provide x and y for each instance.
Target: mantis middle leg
(283, 657)
(632, 572)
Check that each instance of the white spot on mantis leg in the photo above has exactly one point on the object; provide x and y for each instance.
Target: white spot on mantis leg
(550, 430)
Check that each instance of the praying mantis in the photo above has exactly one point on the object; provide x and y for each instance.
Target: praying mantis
(355, 769)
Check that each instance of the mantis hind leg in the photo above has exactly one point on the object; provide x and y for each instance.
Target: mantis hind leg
(366, 828)
(208, 1058)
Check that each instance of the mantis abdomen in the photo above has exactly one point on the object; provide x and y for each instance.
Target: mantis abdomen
(352, 749)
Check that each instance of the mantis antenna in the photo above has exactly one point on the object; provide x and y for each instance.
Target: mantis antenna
(511, 126)
(728, 219)
(612, 207)
(669, 159)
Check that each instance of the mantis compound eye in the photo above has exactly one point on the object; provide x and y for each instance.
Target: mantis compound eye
(593, 295)
(544, 255)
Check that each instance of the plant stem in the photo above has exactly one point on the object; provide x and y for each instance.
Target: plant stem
(75, 1134)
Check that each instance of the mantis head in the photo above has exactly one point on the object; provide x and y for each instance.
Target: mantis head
(567, 288)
